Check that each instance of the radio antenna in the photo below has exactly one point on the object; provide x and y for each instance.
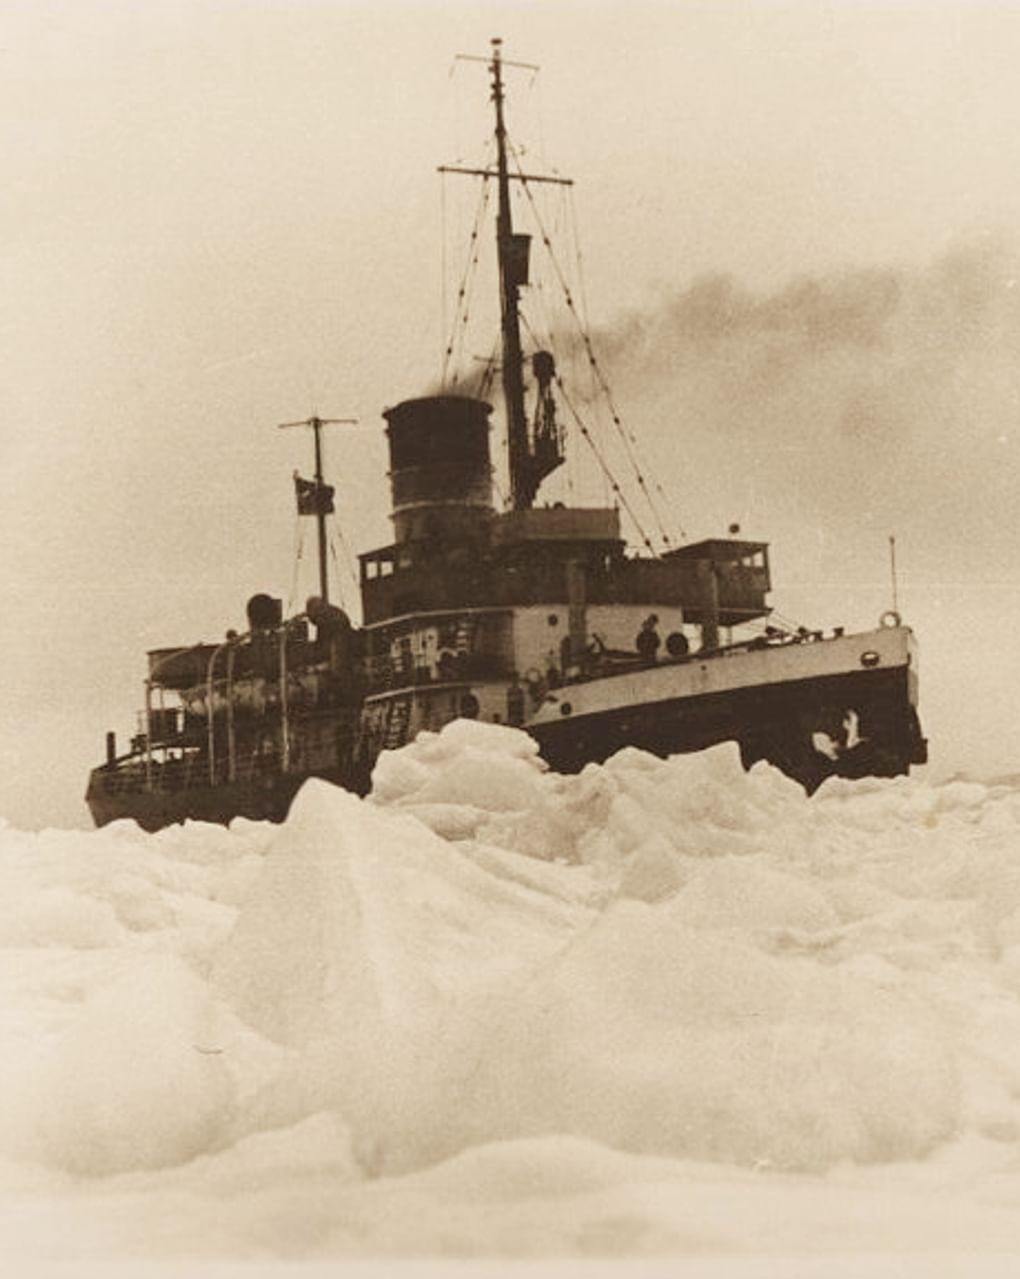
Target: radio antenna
(892, 570)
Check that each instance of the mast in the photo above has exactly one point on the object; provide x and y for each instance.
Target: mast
(320, 514)
(509, 289)
(315, 497)
(531, 455)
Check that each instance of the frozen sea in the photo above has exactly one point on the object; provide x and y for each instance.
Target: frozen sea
(664, 1013)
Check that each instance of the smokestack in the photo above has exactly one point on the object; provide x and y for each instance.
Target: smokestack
(440, 470)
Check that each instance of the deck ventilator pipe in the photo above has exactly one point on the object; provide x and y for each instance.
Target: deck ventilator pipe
(231, 739)
(284, 727)
(148, 734)
(210, 690)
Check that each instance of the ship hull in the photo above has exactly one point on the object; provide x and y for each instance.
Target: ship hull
(264, 799)
(780, 725)
(157, 807)
(840, 707)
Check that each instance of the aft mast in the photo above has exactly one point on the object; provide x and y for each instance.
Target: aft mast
(315, 497)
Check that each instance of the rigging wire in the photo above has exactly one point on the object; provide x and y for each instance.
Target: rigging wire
(443, 300)
(501, 494)
(617, 491)
(627, 436)
(455, 343)
(536, 87)
(348, 558)
(487, 377)
(786, 623)
(546, 313)
(460, 317)
(298, 551)
(582, 289)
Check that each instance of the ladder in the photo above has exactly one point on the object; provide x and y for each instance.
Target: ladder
(398, 716)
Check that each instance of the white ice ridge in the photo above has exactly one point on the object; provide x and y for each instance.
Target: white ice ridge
(490, 998)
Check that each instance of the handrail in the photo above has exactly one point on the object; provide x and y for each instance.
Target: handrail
(284, 725)
(191, 648)
(231, 645)
(210, 691)
(231, 740)
(148, 732)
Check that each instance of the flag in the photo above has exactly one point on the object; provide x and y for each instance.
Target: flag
(313, 498)
(516, 256)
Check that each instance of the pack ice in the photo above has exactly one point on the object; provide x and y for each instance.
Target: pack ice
(659, 1007)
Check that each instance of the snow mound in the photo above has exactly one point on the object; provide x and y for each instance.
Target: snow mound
(149, 1085)
(487, 977)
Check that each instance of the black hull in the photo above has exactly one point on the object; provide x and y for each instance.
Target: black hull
(846, 720)
(260, 799)
(777, 724)
(153, 809)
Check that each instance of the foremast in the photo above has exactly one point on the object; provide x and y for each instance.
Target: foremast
(510, 252)
(533, 451)
(532, 455)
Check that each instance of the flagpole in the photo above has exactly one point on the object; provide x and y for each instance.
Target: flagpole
(320, 514)
(317, 423)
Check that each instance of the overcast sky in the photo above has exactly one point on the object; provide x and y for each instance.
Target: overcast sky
(797, 224)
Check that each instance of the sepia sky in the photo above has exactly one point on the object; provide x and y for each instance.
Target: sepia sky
(798, 225)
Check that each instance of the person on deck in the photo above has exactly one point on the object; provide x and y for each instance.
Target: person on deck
(333, 632)
(648, 640)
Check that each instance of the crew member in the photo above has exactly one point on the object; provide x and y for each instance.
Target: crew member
(515, 702)
(648, 640)
(332, 632)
